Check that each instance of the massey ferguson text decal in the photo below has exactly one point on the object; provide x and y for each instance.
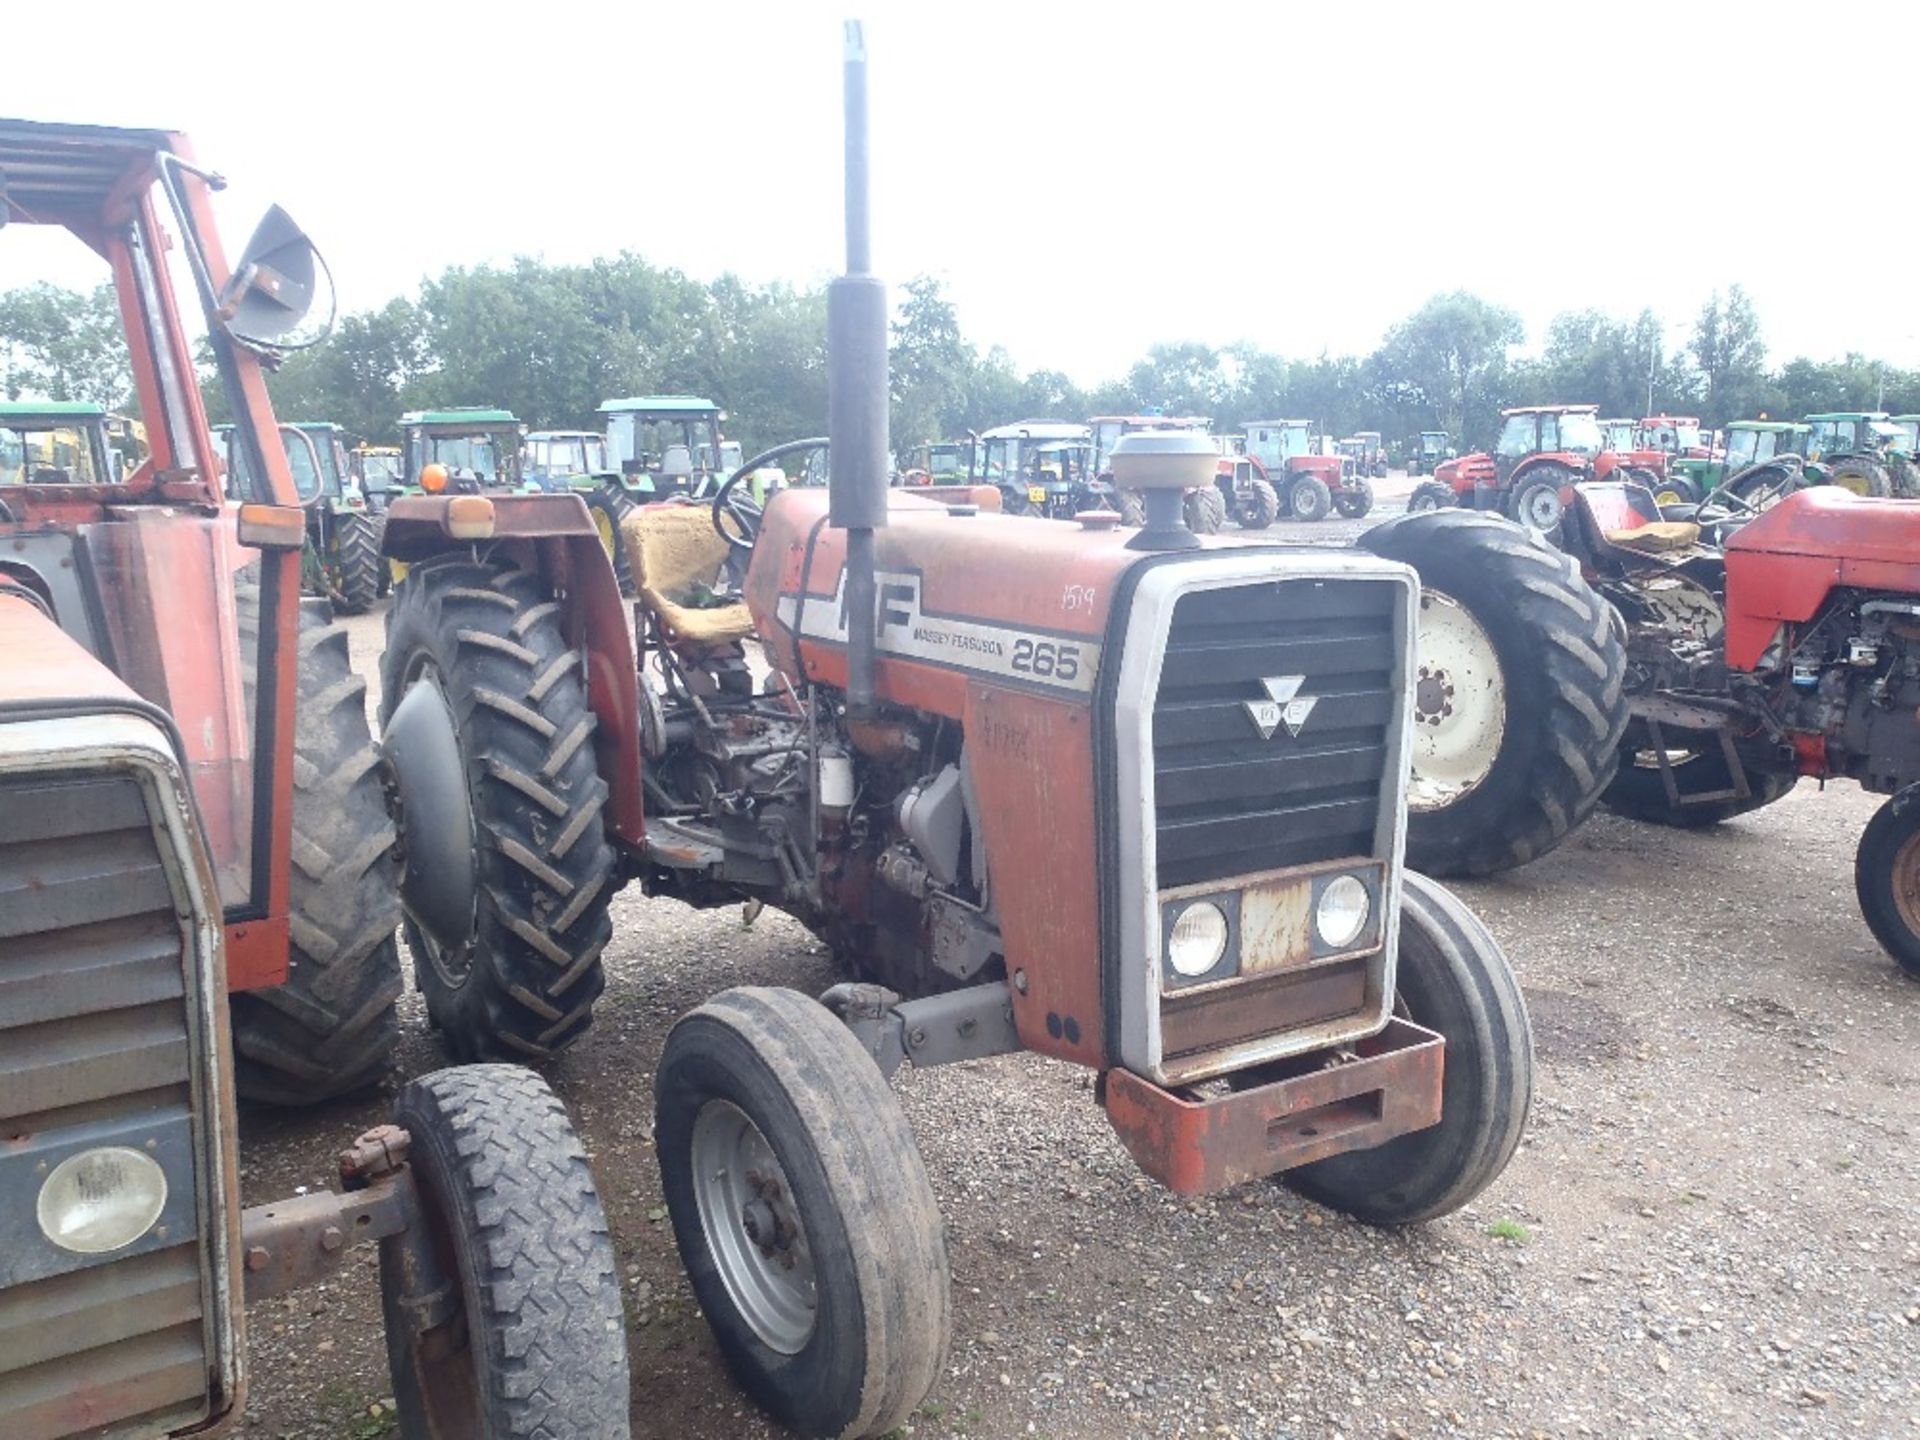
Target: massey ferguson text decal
(1028, 657)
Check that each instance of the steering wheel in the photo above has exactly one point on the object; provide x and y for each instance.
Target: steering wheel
(730, 501)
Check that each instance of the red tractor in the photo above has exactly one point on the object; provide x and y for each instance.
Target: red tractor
(1127, 798)
(198, 892)
(1542, 453)
(1310, 486)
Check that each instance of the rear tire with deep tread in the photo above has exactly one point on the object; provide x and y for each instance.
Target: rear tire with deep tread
(357, 561)
(536, 1348)
(330, 1029)
(1430, 495)
(1861, 476)
(1638, 792)
(1451, 978)
(610, 506)
(1308, 498)
(1133, 508)
(492, 635)
(1564, 665)
(1206, 510)
(1905, 476)
(856, 1184)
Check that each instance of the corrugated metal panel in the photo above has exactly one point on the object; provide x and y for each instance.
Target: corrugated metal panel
(95, 1039)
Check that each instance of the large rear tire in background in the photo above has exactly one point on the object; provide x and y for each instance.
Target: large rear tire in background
(1861, 476)
(1453, 978)
(515, 977)
(1761, 487)
(1519, 705)
(803, 1212)
(1308, 498)
(1905, 476)
(1699, 768)
(531, 1342)
(609, 505)
(1536, 499)
(1133, 508)
(1886, 876)
(357, 561)
(330, 1029)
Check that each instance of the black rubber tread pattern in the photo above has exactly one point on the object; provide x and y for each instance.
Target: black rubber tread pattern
(611, 501)
(1308, 498)
(1260, 508)
(1440, 494)
(1893, 825)
(1561, 648)
(331, 1028)
(1552, 475)
(1451, 978)
(1355, 499)
(1680, 485)
(504, 1173)
(886, 1311)
(1206, 510)
(356, 541)
(1639, 793)
(1878, 482)
(1133, 508)
(518, 691)
(1905, 476)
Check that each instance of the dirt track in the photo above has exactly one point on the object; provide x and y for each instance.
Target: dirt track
(1713, 1228)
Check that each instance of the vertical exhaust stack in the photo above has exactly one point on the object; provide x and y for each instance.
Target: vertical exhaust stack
(857, 390)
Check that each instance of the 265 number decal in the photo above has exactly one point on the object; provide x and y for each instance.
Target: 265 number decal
(1046, 659)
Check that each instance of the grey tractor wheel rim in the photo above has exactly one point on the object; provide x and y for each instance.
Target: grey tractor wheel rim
(1540, 507)
(752, 1227)
(1459, 706)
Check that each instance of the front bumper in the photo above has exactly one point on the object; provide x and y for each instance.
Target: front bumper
(1325, 1103)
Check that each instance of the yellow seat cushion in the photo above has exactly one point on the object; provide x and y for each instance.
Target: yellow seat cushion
(672, 549)
(1659, 536)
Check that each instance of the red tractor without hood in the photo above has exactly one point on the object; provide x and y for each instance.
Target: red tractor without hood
(1542, 453)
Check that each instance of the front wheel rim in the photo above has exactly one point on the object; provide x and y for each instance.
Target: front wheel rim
(753, 1227)
(1459, 708)
(1904, 882)
(1540, 507)
(604, 525)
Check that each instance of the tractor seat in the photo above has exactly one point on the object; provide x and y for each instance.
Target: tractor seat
(1657, 537)
(673, 550)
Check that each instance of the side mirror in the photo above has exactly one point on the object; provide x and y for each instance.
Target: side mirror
(273, 286)
(307, 485)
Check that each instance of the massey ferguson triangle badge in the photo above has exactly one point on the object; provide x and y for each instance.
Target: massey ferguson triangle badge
(1280, 707)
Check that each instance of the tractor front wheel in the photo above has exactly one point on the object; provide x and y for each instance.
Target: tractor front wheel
(803, 1213)
(1519, 700)
(508, 875)
(1430, 495)
(526, 1340)
(1451, 978)
(1886, 874)
(1259, 507)
(1355, 500)
(1206, 510)
(1699, 767)
(1674, 490)
(1309, 499)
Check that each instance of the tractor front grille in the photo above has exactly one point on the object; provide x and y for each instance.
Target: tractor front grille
(99, 984)
(1230, 800)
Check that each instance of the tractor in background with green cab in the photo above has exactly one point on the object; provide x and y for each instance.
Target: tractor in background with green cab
(342, 561)
(462, 450)
(1428, 449)
(667, 446)
(1858, 449)
(579, 461)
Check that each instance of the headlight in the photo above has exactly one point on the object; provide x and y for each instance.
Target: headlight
(1342, 912)
(101, 1200)
(1198, 940)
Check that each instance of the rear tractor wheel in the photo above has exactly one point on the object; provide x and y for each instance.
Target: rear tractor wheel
(609, 505)
(507, 873)
(356, 562)
(1674, 490)
(1451, 978)
(1886, 875)
(1133, 508)
(1519, 703)
(330, 1029)
(803, 1213)
(1309, 499)
(1862, 476)
(1699, 767)
(1206, 510)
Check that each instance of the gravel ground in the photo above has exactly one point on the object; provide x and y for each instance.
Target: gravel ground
(1712, 1229)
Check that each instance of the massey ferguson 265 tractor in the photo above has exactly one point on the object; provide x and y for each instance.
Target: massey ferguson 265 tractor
(1131, 799)
(188, 807)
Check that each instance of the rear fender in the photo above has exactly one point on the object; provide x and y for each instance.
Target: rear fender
(554, 536)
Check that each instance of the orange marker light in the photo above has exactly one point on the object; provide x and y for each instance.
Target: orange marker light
(433, 479)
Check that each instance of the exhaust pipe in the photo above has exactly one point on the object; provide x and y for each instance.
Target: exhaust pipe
(857, 390)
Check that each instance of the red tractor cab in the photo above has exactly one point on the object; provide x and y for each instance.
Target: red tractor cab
(1310, 486)
(1542, 453)
(1674, 435)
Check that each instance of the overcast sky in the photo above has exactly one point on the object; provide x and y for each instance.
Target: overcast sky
(1086, 179)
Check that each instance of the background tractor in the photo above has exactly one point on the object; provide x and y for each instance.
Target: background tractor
(342, 561)
(380, 473)
(53, 442)
(944, 462)
(581, 461)
(668, 445)
(1748, 443)
(1373, 452)
(1310, 485)
(1630, 445)
(473, 448)
(1857, 449)
(1428, 449)
(1206, 507)
(1043, 467)
(1125, 798)
(1542, 453)
(197, 890)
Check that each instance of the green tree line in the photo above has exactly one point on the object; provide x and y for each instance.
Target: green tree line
(550, 342)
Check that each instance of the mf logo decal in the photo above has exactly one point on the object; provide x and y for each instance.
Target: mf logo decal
(904, 626)
(1284, 705)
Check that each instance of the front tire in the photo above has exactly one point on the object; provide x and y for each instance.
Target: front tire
(330, 1028)
(1453, 978)
(1206, 510)
(523, 983)
(1355, 500)
(1520, 700)
(1886, 876)
(1536, 500)
(608, 506)
(1700, 768)
(1260, 507)
(357, 561)
(1309, 499)
(535, 1347)
(779, 1142)
(1430, 495)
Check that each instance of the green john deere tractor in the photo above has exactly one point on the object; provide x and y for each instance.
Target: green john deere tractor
(1760, 456)
(1859, 450)
(54, 442)
(1428, 449)
(668, 445)
(477, 448)
(342, 559)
